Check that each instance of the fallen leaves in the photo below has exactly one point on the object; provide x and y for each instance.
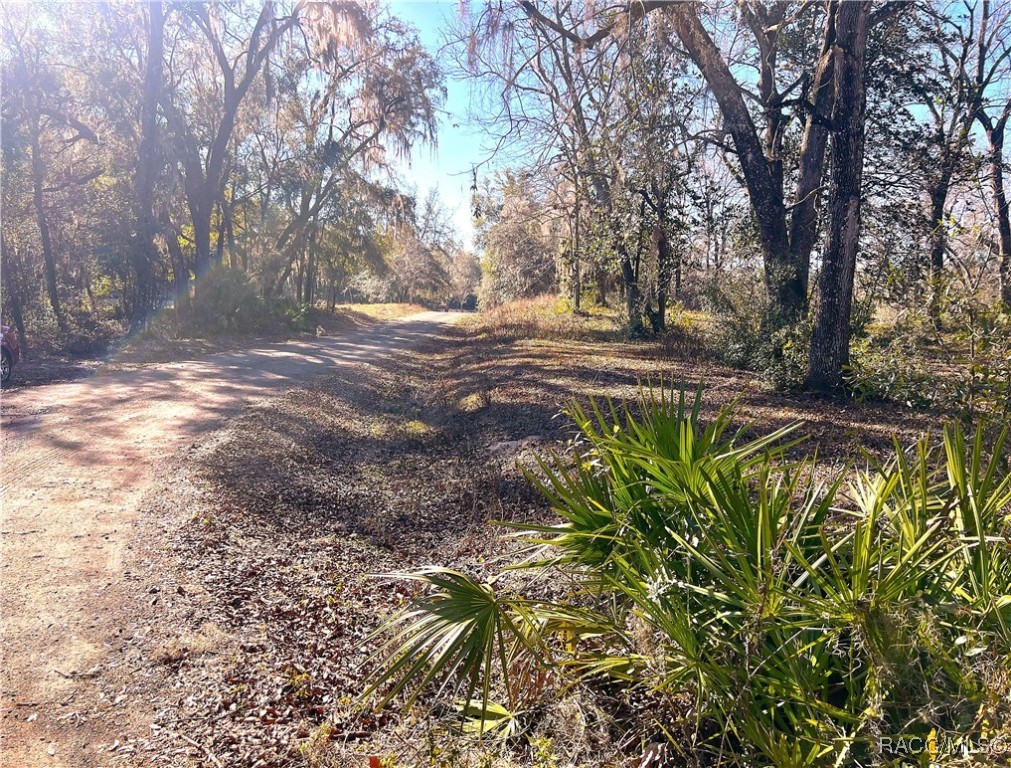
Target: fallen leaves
(295, 506)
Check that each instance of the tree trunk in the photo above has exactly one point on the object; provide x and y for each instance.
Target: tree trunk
(995, 137)
(938, 242)
(86, 282)
(200, 213)
(19, 322)
(219, 254)
(143, 253)
(180, 271)
(601, 287)
(663, 276)
(576, 276)
(206, 172)
(13, 285)
(784, 276)
(233, 256)
(811, 163)
(677, 277)
(632, 301)
(38, 181)
(831, 334)
(310, 278)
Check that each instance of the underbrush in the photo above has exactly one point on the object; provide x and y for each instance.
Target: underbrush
(546, 317)
(760, 613)
(965, 372)
(958, 365)
(227, 306)
(747, 339)
(227, 302)
(86, 334)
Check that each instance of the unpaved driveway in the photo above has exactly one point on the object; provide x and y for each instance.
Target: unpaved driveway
(77, 460)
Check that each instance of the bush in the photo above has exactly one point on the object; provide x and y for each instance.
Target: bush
(226, 300)
(969, 378)
(748, 339)
(895, 372)
(804, 624)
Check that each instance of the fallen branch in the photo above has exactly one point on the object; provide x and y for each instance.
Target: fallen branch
(210, 755)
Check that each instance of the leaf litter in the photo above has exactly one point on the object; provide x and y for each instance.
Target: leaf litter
(283, 519)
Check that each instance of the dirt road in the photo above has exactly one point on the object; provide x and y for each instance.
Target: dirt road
(78, 458)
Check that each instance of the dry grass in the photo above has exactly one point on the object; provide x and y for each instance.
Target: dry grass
(546, 317)
(381, 311)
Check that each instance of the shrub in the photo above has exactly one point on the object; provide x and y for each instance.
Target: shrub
(895, 372)
(806, 622)
(748, 339)
(226, 300)
(970, 382)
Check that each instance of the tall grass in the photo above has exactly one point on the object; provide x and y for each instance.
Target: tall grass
(546, 317)
(811, 623)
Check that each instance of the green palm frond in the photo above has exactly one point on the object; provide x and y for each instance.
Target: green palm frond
(459, 635)
(802, 620)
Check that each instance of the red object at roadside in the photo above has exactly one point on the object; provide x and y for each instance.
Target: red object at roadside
(10, 352)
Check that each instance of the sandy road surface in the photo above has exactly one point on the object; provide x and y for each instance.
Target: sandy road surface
(78, 458)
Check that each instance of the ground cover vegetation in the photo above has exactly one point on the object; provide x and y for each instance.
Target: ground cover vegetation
(774, 617)
(801, 204)
(280, 524)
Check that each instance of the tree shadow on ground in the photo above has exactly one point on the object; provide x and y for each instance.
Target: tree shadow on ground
(414, 443)
(394, 462)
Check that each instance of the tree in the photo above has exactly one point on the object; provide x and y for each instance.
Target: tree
(518, 239)
(551, 94)
(831, 334)
(993, 68)
(379, 96)
(149, 163)
(659, 154)
(464, 279)
(786, 233)
(41, 116)
(202, 97)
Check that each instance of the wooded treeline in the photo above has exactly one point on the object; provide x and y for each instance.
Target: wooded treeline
(842, 153)
(799, 162)
(237, 156)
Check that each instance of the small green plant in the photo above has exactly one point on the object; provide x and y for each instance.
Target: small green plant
(804, 618)
(438, 755)
(299, 685)
(541, 752)
(314, 748)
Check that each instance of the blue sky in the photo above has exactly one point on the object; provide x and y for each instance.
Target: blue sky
(448, 165)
